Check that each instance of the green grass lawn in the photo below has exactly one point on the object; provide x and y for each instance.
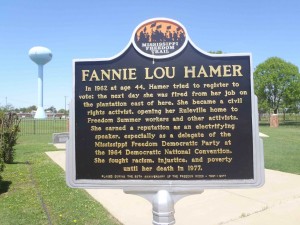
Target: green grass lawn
(34, 191)
(282, 148)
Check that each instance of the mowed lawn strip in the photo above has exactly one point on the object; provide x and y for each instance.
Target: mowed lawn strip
(34, 191)
(282, 148)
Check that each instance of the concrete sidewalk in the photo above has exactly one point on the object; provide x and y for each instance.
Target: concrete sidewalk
(276, 203)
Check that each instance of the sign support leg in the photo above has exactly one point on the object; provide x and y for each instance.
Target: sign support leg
(163, 202)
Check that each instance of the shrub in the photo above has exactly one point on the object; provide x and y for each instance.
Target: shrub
(1, 166)
(1, 153)
(9, 129)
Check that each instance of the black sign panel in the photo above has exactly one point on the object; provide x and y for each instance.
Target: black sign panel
(180, 115)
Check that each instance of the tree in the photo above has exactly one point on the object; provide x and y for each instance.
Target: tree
(216, 52)
(51, 109)
(291, 100)
(63, 111)
(31, 108)
(7, 108)
(276, 84)
(28, 109)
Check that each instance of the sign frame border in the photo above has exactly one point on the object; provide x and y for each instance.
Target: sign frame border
(258, 155)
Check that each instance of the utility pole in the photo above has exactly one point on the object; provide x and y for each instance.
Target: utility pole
(66, 106)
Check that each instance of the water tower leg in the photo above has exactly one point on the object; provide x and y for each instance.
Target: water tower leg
(40, 113)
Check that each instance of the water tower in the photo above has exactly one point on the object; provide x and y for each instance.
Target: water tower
(40, 55)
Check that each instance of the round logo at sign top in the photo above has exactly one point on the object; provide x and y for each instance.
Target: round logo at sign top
(159, 38)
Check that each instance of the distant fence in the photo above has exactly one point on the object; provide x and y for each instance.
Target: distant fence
(43, 126)
(287, 119)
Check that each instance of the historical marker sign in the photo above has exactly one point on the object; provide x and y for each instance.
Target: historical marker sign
(164, 113)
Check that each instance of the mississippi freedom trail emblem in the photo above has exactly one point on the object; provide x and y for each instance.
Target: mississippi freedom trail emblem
(160, 38)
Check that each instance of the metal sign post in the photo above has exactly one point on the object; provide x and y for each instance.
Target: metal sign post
(163, 202)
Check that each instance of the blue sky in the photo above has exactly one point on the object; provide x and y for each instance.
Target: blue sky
(95, 29)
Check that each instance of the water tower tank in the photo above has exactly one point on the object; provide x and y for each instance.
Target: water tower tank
(40, 55)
